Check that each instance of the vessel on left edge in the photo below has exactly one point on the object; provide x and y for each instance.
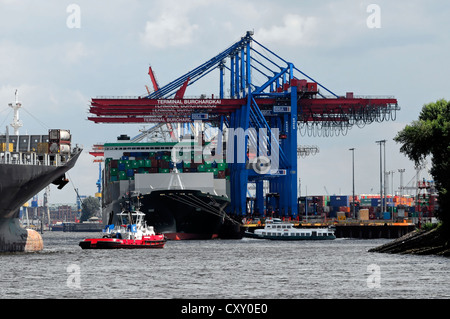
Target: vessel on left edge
(28, 164)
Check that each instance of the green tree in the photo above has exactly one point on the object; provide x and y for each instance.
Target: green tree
(89, 208)
(430, 136)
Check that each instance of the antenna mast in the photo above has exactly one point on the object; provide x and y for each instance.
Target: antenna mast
(16, 124)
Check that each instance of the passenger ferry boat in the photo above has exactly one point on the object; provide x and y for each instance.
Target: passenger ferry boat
(275, 229)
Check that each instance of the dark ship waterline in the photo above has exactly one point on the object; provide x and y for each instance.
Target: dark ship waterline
(185, 214)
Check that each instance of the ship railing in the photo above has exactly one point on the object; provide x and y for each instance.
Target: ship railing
(32, 159)
(134, 97)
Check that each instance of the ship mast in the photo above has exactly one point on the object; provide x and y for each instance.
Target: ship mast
(16, 124)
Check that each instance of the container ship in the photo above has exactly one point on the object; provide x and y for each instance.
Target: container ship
(28, 164)
(182, 199)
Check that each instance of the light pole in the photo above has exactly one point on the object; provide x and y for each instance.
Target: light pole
(390, 174)
(401, 171)
(382, 142)
(353, 174)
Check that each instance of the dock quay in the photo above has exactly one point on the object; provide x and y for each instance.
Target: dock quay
(82, 227)
(355, 229)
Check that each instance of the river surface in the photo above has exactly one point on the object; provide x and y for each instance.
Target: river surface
(222, 269)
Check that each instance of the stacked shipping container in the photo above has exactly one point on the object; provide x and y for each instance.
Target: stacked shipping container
(132, 163)
(369, 207)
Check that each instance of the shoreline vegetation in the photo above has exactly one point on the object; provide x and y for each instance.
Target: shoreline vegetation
(428, 136)
(419, 242)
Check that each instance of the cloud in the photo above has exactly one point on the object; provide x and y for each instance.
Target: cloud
(172, 28)
(168, 31)
(295, 30)
(75, 51)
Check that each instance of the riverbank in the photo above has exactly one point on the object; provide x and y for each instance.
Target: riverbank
(418, 242)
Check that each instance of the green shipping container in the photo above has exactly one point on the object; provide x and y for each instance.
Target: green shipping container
(201, 168)
(134, 164)
(114, 171)
(221, 166)
(122, 175)
(148, 163)
(187, 164)
(164, 170)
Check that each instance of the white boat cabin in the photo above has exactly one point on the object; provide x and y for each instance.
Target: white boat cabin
(132, 226)
(275, 227)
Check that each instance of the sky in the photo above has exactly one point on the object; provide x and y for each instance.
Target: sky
(61, 54)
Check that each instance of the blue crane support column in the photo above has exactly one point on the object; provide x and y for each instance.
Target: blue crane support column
(221, 70)
(231, 160)
(292, 155)
(232, 76)
(238, 133)
(286, 185)
(237, 84)
(237, 157)
(99, 181)
(244, 124)
(243, 67)
(259, 194)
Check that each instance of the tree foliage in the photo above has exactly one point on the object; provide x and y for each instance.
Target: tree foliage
(430, 136)
(89, 208)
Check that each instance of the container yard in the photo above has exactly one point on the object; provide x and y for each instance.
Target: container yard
(368, 207)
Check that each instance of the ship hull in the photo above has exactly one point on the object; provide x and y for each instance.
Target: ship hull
(18, 184)
(111, 243)
(184, 214)
(14, 238)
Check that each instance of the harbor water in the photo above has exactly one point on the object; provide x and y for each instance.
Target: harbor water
(222, 269)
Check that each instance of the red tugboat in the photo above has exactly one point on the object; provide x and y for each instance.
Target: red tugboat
(132, 233)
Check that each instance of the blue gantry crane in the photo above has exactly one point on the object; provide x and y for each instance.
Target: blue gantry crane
(269, 101)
